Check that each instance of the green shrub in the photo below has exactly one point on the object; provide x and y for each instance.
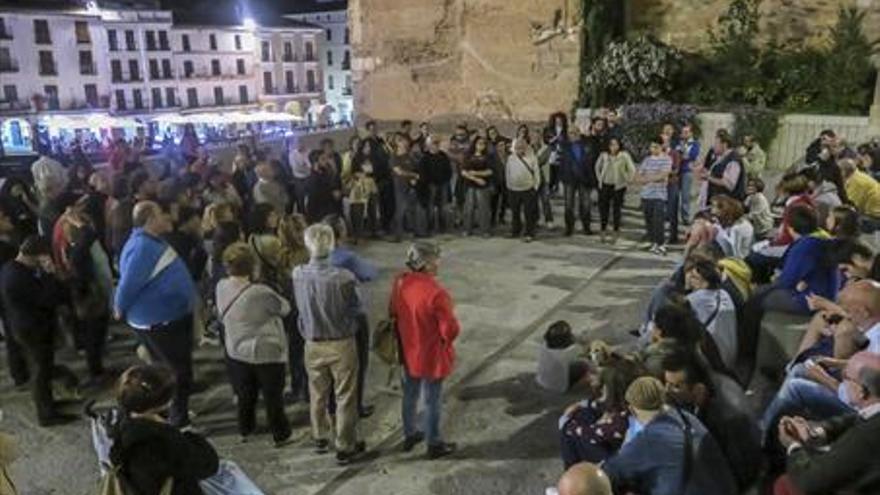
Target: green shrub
(634, 71)
(759, 122)
(641, 122)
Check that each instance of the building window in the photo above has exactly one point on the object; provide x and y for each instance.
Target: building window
(129, 41)
(6, 64)
(347, 36)
(239, 66)
(154, 69)
(267, 83)
(86, 64)
(157, 97)
(91, 91)
(218, 96)
(170, 97)
(116, 70)
(184, 40)
(346, 60)
(82, 32)
(10, 93)
(187, 69)
(212, 39)
(111, 40)
(41, 32)
(347, 89)
(4, 34)
(51, 93)
(288, 52)
(329, 34)
(163, 40)
(243, 94)
(310, 81)
(47, 64)
(151, 40)
(264, 51)
(238, 42)
(120, 99)
(138, 99)
(134, 70)
(215, 67)
(330, 82)
(192, 97)
(310, 51)
(329, 57)
(288, 81)
(166, 68)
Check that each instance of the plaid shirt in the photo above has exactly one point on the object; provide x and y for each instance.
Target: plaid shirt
(327, 300)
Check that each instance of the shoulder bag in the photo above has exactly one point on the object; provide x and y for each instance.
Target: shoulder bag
(386, 338)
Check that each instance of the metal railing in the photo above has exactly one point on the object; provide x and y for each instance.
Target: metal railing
(9, 66)
(48, 68)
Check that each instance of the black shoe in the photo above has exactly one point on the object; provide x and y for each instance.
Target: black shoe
(366, 411)
(283, 442)
(57, 419)
(322, 446)
(410, 442)
(569, 232)
(439, 450)
(635, 333)
(346, 458)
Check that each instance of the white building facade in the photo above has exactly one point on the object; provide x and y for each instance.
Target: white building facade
(335, 53)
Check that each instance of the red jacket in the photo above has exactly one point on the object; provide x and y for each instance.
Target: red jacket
(427, 326)
(783, 237)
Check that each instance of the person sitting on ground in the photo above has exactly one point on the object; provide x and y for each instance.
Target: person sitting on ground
(674, 327)
(713, 307)
(758, 208)
(838, 455)
(691, 462)
(721, 404)
(560, 366)
(148, 450)
(823, 192)
(582, 479)
(734, 232)
(864, 194)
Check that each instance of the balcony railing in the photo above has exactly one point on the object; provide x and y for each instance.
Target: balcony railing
(346, 65)
(210, 75)
(88, 69)
(165, 47)
(43, 39)
(48, 68)
(311, 58)
(346, 92)
(289, 59)
(83, 40)
(5, 35)
(8, 66)
(119, 78)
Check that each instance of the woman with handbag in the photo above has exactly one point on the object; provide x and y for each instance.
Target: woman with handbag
(256, 344)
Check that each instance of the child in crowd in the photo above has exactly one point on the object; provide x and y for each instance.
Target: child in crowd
(559, 364)
(758, 208)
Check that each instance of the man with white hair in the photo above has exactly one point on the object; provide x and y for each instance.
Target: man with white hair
(328, 303)
(427, 328)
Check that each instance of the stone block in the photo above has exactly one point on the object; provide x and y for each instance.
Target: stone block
(778, 341)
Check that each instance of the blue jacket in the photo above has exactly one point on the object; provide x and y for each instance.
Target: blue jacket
(154, 285)
(807, 259)
(579, 163)
(363, 270)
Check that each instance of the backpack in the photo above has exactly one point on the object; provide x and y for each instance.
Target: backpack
(386, 339)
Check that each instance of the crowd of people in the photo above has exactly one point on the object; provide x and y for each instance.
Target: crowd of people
(255, 255)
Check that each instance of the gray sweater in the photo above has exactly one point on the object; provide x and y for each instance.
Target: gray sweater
(252, 323)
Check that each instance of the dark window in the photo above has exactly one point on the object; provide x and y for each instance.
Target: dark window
(170, 97)
(91, 91)
(329, 82)
(4, 34)
(129, 41)
(151, 40)
(310, 52)
(329, 34)
(310, 81)
(41, 32)
(163, 40)
(346, 60)
(138, 99)
(47, 64)
(185, 41)
(267, 83)
(116, 70)
(82, 32)
(157, 97)
(134, 70)
(215, 67)
(52, 97)
(86, 64)
(212, 39)
(288, 52)
(154, 69)
(239, 66)
(187, 68)
(218, 95)
(243, 94)
(192, 97)
(10, 92)
(347, 36)
(166, 68)
(238, 42)
(111, 40)
(264, 51)
(288, 81)
(120, 99)
(329, 57)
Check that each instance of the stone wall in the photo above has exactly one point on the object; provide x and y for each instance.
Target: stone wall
(444, 60)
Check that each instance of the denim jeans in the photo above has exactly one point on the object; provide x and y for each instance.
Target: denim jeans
(581, 197)
(687, 180)
(802, 397)
(610, 206)
(673, 197)
(438, 207)
(523, 203)
(412, 390)
(407, 206)
(477, 209)
(544, 198)
(655, 213)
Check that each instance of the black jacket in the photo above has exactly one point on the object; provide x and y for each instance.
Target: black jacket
(30, 297)
(148, 453)
(436, 168)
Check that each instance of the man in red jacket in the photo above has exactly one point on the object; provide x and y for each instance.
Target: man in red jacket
(427, 326)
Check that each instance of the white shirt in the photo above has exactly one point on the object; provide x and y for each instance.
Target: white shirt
(873, 336)
(299, 164)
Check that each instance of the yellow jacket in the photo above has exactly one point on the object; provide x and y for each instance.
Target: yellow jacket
(864, 192)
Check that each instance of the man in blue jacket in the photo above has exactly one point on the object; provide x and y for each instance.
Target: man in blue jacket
(156, 295)
(578, 176)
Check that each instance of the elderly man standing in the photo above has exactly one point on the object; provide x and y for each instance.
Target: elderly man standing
(156, 295)
(427, 327)
(329, 306)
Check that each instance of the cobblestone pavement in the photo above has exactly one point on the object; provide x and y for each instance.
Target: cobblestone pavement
(506, 292)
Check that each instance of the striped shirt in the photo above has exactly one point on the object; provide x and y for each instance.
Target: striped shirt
(653, 165)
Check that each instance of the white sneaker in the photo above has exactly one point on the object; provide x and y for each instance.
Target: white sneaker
(661, 250)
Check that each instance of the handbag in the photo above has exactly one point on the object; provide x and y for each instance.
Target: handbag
(386, 339)
(229, 480)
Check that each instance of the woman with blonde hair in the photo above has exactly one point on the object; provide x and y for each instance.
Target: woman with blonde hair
(293, 252)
